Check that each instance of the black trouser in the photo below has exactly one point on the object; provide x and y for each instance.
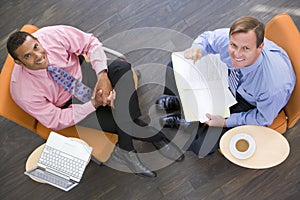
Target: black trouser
(205, 139)
(123, 119)
(170, 84)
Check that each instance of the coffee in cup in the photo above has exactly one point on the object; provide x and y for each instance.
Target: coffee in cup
(242, 145)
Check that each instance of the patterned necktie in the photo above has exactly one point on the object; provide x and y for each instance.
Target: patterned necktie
(70, 83)
(234, 78)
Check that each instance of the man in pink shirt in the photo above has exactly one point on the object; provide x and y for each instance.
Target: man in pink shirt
(117, 110)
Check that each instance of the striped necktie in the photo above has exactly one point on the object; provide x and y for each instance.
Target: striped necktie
(70, 83)
(234, 78)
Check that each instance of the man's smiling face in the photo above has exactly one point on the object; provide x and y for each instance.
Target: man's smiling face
(243, 50)
(32, 55)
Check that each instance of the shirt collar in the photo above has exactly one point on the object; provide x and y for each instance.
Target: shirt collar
(40, 72)
(253, 67)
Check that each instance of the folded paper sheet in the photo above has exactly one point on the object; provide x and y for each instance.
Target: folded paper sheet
(203, 86)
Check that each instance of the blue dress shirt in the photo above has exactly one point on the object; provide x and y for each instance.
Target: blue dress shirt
(267, 84)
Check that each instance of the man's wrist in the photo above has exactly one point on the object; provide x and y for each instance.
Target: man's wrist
(94, 103)
(224, 123)
(104, 71)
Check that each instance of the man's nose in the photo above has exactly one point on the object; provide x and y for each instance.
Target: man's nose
(238, 53)
(38, 55)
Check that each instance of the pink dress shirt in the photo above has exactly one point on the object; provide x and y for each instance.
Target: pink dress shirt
(38, 94)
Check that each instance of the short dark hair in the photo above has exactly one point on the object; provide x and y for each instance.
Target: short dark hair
(15, 40)
(247, 23)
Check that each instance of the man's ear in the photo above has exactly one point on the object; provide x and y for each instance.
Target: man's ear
(261, 45)
(19, 63)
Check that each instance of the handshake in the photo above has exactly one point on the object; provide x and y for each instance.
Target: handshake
(100, 99)
(193, 54)
(104, 94)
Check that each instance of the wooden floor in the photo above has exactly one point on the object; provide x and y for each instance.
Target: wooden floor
(146, 31)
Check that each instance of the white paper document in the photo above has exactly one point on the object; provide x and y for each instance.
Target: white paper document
(202, 86)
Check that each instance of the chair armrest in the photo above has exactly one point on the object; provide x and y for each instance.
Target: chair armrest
(114, 53)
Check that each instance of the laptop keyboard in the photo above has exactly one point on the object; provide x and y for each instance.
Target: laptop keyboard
(62, 162)
(52, 179)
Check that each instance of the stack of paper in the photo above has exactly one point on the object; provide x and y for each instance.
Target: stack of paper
(202, 86)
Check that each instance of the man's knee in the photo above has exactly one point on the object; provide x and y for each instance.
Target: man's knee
(119, 65)
(117, 69)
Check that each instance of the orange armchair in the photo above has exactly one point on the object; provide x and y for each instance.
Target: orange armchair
(283, 31)
(103, 143)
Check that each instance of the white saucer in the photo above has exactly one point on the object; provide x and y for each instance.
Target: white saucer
(242, 154)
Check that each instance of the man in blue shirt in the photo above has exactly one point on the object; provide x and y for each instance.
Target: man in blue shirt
(265, 77)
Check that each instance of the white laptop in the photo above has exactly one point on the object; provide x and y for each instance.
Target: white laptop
(62, 162)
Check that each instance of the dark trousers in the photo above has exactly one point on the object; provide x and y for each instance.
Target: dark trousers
(124, 118)
(204, 139)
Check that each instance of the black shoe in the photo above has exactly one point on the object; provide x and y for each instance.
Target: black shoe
(173, 121)
(140, 122)
(169, 150)
(168, 103)
(132, 161)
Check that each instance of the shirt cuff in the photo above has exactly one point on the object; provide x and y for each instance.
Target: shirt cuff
(100, 69)
(89, 106)
(81, 111)
(232, 121)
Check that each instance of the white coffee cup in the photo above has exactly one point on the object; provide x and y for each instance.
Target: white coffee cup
(242, 146)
